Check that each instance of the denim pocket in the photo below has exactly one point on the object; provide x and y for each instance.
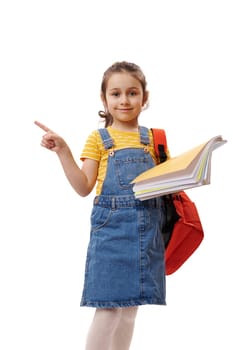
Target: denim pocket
(99, 217)
(127, 169)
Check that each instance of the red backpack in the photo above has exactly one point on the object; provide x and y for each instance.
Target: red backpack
(183, 230)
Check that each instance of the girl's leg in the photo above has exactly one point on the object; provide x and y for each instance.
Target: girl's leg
(124, 332)
(103, 326)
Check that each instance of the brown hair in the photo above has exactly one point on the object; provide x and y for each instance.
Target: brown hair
(121, 67)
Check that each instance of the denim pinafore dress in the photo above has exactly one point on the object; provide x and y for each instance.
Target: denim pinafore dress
(125, 256)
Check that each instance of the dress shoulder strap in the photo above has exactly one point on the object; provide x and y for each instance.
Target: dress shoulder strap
(144, 135)
(106, 138)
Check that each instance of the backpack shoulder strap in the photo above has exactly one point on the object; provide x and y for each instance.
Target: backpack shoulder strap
(160, 143)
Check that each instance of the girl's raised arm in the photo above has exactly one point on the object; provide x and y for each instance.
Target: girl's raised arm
(82, 180)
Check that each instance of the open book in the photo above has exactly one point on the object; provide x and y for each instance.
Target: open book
(188, 170)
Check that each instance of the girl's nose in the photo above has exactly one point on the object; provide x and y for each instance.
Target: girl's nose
(124, 99)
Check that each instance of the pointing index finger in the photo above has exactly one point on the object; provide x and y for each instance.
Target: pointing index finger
(42, 126)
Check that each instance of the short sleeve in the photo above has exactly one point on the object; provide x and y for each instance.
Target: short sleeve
(91, 148)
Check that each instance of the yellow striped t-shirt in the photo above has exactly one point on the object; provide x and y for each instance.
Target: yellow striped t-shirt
(94, 149)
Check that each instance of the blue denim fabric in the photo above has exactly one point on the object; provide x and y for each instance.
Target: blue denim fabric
(125, 257)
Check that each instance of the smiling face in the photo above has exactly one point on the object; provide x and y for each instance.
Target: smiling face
(124, 100)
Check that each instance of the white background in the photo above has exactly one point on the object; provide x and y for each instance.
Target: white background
(53, 55)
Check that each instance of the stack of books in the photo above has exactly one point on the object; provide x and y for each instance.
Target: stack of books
(188, 170)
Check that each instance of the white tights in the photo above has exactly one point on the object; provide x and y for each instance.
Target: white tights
(111, 329)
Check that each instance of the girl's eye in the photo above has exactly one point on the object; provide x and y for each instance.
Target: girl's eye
(133, 93)
(115, 94)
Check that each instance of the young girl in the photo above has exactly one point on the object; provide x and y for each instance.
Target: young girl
(125, 257)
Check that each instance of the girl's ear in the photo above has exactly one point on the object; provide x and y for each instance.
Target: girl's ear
(145, 98)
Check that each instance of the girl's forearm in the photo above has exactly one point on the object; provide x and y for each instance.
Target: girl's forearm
(74, 174)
